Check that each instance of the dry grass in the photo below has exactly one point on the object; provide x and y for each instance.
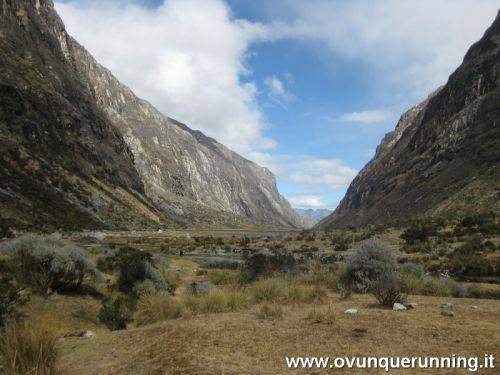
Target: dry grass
(29, 348)
(216, 301)
(157, 307)
(238, 343)
(270, 312)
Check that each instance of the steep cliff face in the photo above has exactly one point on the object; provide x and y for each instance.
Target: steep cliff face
(75, 141)
(62, 163)
(443, 156)
(183, 170)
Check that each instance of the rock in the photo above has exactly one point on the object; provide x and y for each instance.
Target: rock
(88, 334)
(447, 312)
(447, 306)
(474, 307)
(398, 307)
(351, 312)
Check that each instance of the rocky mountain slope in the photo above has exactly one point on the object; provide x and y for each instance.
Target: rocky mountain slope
(79, 149)
(310, 216)
(443, 157)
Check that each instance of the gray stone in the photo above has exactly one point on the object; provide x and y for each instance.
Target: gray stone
(398, 307)
(351, 312)
(447, 312)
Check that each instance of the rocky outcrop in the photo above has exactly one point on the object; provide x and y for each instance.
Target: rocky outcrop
(310, 216)
(443, 157)
(76, 143)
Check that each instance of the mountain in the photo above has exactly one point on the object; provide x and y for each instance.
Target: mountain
(443, 157)
(79, 150)
(310, 216)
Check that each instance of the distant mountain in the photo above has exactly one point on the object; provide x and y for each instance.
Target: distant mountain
(78, 149)
(311, 216)
(443, 157)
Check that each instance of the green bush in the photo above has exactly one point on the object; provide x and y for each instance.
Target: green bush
(137, 274)
(368, 264)
(47, 263)
(266, 262)
(114, 314)
(417, 233)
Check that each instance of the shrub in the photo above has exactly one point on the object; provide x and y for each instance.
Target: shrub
(412, 268)
(156, 307)
(28, 348)
(466, 262)
(220, 264)
(48, 263)
(137, 274)
(368, 265)
(172, 279)
(387, 290)
(114, 314)
(265, 262)
(417, 233)
(270, 312)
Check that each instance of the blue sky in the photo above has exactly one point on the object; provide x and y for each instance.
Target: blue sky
(306, 88)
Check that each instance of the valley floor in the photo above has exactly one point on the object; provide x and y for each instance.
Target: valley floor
(241, 343)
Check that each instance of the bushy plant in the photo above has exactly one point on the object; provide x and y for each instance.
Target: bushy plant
(265, 262)
(28, 348)
(415, 269)
(222, 277)
(137, 273)
(466, 262)
(114, 314)
(197, 288)
(432, 286)
(368, 264)
(417, 233)
(48, 263)
(373, 269)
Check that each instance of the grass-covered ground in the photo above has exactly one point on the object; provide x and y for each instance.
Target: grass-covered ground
(218, 311)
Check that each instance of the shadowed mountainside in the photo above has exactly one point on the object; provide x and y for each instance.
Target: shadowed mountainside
(443, 157)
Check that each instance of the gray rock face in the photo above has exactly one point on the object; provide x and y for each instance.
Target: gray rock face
(309, 217)
(187, 177)
(443, 155)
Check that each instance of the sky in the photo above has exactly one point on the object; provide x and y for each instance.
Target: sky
(305, 88)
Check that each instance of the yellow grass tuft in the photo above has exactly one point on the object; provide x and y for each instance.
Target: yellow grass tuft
(29, 348)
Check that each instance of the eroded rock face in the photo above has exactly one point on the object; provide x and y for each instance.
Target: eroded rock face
(443, 155)
(174, 173)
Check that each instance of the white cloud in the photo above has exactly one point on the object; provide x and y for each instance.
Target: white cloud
(412, 45)
(307, 201)
(367, 117)
(307, 169)
(276, 90)
(187, 57)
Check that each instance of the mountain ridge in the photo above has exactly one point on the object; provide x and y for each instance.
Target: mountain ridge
(443, 157)
(157, 169)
